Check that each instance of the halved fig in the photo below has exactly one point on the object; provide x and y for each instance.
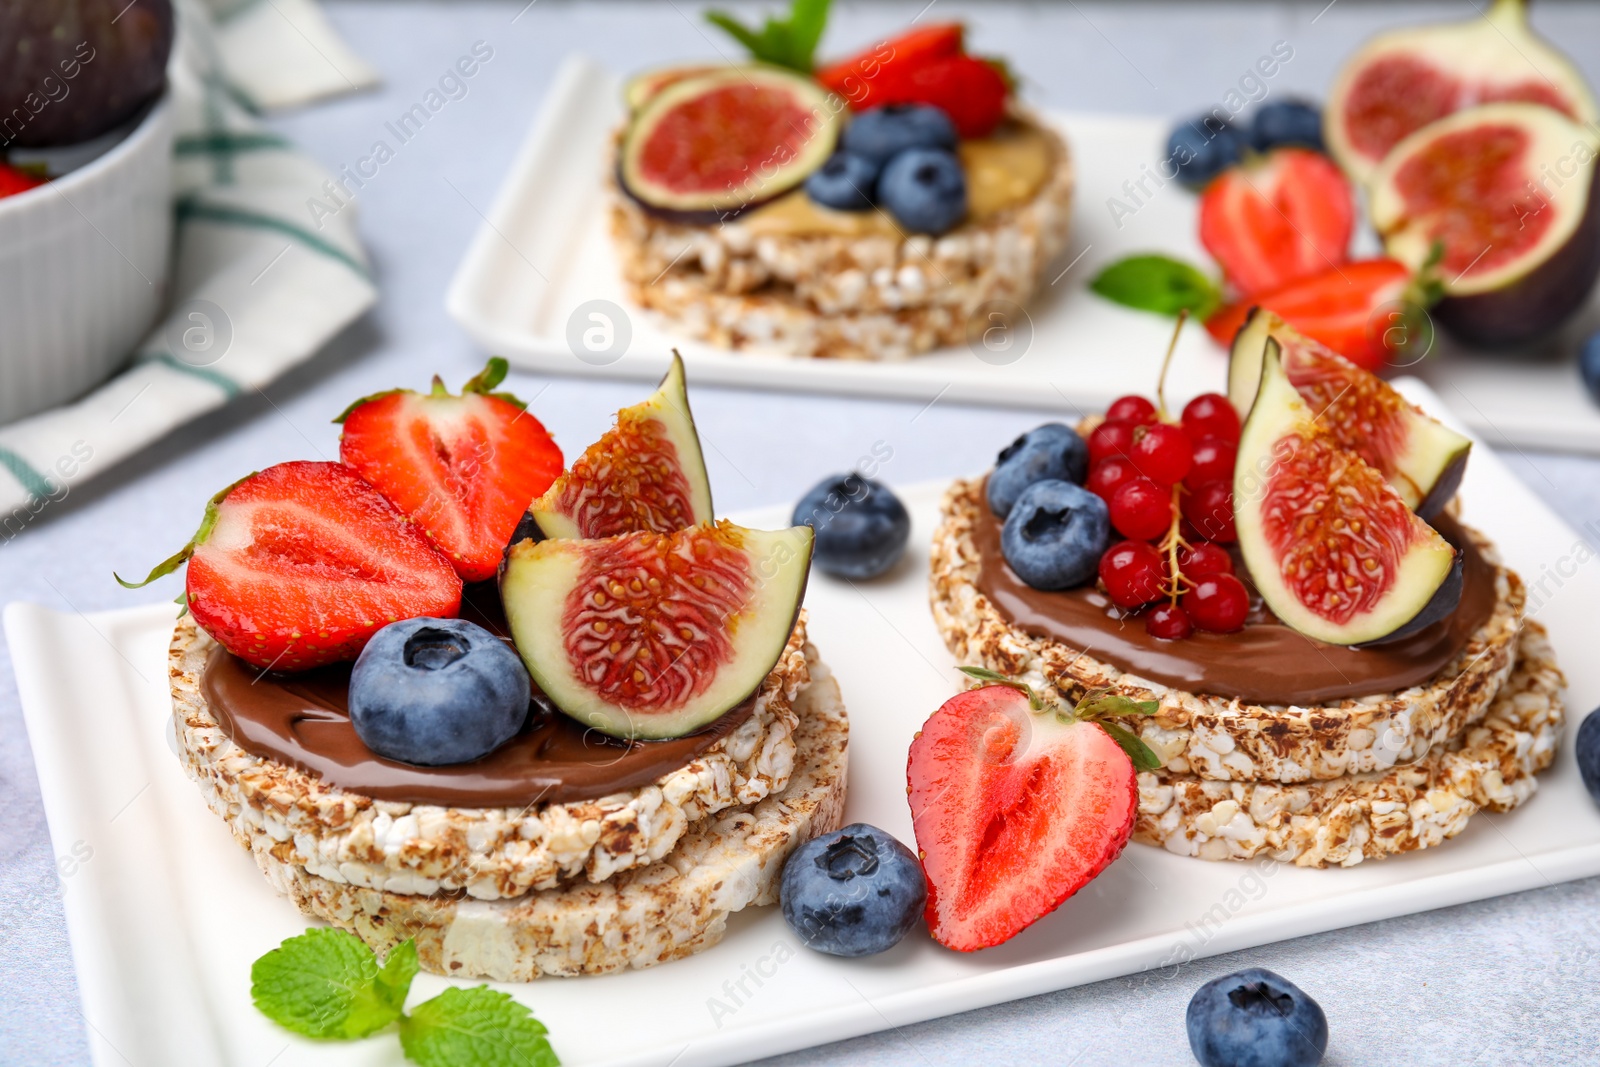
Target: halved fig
(1508, 192)
(645, 473)
(1420, 457)
(1330, 546)
(1402, 80)
(641, 87)
(706, 148)
(650, 635)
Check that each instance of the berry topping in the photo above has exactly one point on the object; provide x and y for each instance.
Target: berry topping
(1588, 753)
(1203, 148)
(463, 468)
(1168, 622)
(853, 892)
(1134, 410)
(1141, 509)
(1209, 508)
(1055, 534)
(861, 526)
(1255, 1017)
(1108, 474)
(437, 691)
(1213, 462)
(1218, 602)
(972, 91)
(924, 189)
(1051, 451)
(1162, 453)
(1287, 122)
(1202, 558)
(1110, 439)
(1211, 415)
(1133, 573)
(845, 182)
(858, 79)
(884, 132)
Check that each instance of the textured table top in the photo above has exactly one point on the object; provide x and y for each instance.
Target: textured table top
(1508, 980)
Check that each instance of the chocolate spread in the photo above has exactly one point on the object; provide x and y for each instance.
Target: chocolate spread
(1265, 663)
(303, 720)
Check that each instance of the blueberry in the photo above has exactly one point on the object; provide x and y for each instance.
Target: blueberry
(845, 182)
(437, 691)
(1254, 1018)
(884, 132)
(1589, 366)
(1203, 148)
(1044, 452)
(924, 189)
(1055, 535)
(854, 892)
(1285, 122)
(1588, 750)
(862, 528)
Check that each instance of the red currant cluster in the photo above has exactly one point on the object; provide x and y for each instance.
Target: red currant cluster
(1170, 493)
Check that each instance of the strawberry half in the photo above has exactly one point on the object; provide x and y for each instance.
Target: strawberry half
(464, 468)
(855, 78)
(13, 181)
(970, 90)
(1277, 218)
(1016, 810)
(300, 564)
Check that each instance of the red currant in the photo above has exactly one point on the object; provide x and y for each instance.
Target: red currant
(1218, 602)
(1162, 453)
(1168, 622)
(1133, 410)
(1133, 573)
(1109, 473)
(1210, 509)
(1213, 461)
(1110, 439)
(1141, 509)
(1211, 415)
(1203, 558)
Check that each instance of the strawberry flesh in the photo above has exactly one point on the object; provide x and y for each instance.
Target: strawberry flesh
(856, 78)
(970, 90)
(305, 562)
(1272, 221)
(1014, 811)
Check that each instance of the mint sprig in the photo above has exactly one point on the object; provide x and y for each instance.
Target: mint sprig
(1160, 284)
(788, 42)
(1099, 706)
(328, 984)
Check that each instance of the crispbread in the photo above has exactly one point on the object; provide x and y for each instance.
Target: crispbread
(1489, 767)
(1212, 737)
(648, 915)
(489, 853)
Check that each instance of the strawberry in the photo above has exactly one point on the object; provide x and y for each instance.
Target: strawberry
(970, 90)
(1366, 310)
(13, 181)
(854, 78)
(300, 564)
(464, 468)
(1016, 806)
(1277, 218)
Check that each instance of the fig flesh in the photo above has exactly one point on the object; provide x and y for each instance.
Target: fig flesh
(1331, 547)
(1420, 457)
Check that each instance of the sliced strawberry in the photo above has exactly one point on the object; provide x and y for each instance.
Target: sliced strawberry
(13, 181)
(1361, 310)
(464, 468)
(300, 564)
(1275, 219)
(855, 78)
(1014, 811)
(970, 90)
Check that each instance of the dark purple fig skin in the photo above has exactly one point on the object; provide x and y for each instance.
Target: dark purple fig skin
(1444, 490)
(1445, 600)
(708, 217)
(1540, 302)
(71, 70)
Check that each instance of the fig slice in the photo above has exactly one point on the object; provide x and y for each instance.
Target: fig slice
(1420, 457)
(641, 87)
(1331, 547)
(1403, 79)
(705, 148)
(645, 473)
(1507, 193)
(649, 635)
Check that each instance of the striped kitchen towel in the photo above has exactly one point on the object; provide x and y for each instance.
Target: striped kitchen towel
(256, 285)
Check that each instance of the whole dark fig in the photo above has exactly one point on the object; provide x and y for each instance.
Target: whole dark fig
(71, 70)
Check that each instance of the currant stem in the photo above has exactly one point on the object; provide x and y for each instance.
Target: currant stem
(1172, 346)
(1171, 542)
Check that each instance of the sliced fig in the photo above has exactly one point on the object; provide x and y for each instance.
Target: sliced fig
(641, 87)
(1508, 192)
(1420, 457)
(1402, 80)
(1331, 547)
(651, 635)
(706, 148)
(645, 473)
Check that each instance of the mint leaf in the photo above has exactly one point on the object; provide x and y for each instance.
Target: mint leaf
(1144, 759)
(1160, 284)
(789, 42)
(326, 983)
(1100, 703)
(476, 1027)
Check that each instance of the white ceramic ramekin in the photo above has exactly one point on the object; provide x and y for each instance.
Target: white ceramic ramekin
(83, 269)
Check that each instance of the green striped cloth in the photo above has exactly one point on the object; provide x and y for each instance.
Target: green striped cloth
(257, 284)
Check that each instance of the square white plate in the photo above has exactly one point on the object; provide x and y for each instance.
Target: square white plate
(544, 250)
(167, 913)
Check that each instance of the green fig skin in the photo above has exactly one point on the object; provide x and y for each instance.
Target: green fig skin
(71, 70)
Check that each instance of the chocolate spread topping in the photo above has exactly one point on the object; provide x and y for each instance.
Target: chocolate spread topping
(1266, 662)
(303, 720)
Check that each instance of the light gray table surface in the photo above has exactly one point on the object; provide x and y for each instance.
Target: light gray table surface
(1503, 981)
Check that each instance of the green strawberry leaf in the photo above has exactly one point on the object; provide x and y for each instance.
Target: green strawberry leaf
(984, 674)
(1100, 703)
(788, 42)
(327, 984)
(476, 1027)
(208, 523)
(480, 384)
(1160, 284)
(1144, 759)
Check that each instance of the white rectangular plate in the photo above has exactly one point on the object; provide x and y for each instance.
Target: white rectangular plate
(544, 250)
(168, 913)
